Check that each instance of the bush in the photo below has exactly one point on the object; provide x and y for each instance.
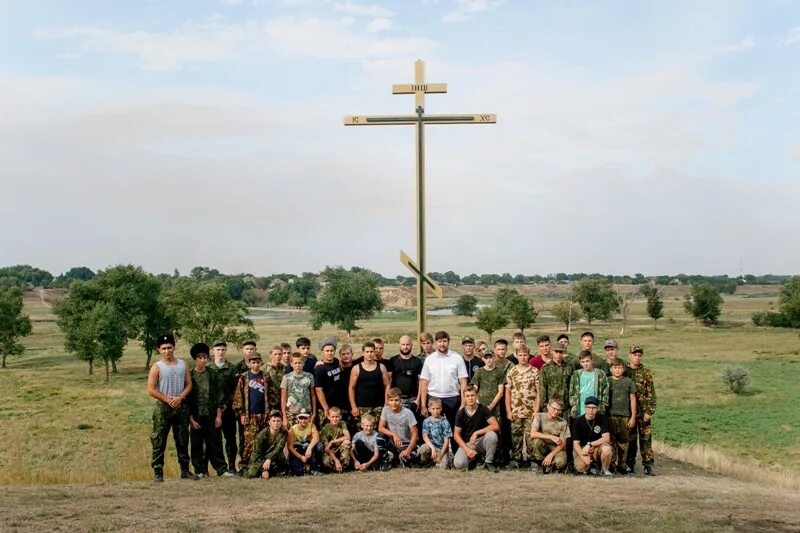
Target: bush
(771, 319)
(737, 377)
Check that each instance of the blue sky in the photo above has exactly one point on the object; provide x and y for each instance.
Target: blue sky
(655, 137)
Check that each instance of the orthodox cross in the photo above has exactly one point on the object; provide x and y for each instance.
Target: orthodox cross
(419, 89)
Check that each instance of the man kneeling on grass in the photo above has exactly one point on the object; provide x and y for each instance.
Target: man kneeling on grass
(269, 449)
(549, 435)
(475, 434)
(591, 440)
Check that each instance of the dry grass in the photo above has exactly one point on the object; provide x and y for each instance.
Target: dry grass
(679, 499)
(714, 460)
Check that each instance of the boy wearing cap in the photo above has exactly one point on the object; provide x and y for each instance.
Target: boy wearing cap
(550, 435)
(612, 349)
(490, 382)
(587, 381)
(269, 449)
(642, 378)
(334, 442)
(473, 363)
(169, 383)
(621, 412)
(206, 404)
(554, 377)
(227, 378)
(302, 445)
(251, 405)
(297, 392)
(522, 402)
(248, 349)
(591, 440)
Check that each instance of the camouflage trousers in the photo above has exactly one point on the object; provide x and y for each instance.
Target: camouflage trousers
(542, 448)
(276, 467)
(341, 452)
(165, 418)
(521, 433)
(641, 439)
(374, 411)
(253, 424)
(620, 436)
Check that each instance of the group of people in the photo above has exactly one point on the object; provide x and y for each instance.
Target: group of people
(301, 414)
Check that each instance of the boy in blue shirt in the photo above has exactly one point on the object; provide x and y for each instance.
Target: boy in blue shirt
(437, 433)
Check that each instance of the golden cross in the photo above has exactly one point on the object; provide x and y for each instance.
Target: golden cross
(419, 87)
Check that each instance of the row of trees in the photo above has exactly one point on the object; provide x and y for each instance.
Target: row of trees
(298, 290)
(591, 299)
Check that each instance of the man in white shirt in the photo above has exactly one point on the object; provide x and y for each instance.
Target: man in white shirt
(444, 376)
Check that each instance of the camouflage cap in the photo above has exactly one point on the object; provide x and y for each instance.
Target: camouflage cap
(255, 356)
(219, 343)
(636, 348)
(611, 343)
(467, 340)
(248, 342)
(487, 353)
(275, 413)
(558, 347)
(304, 413)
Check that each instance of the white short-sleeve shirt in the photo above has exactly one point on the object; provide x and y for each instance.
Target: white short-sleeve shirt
(443, 372)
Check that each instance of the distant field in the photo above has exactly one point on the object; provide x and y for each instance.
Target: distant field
(59, 425)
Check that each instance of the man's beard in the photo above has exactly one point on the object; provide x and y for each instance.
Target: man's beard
(405, 352)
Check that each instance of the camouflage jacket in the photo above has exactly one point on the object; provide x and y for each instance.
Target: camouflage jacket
(206, 395)
(642, 378)
(241, 398)
(601, 386)
(274, 375)
(553, 383)
(227, 376)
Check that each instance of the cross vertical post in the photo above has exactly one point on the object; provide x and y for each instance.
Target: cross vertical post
(419, 88)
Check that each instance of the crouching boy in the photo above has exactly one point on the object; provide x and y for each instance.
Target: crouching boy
(334, 442)
(269, 450)
(366, 453)
(436, 433)
(302, 446)
(399, 424)
(549, 435)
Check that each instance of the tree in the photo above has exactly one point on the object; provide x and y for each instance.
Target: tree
(490, 319)
(597, 298)
(452, 278)
(76, 322)
(625, 301)
(790, 301)
(81, 273)
(347, 298)
(24, 276)
(204, 311)
(655, 304)
(704, 303)
(466, 305)
(303, 291)
(519, 310)
(566, 313)
(13, 324)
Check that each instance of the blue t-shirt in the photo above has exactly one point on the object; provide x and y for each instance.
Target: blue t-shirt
(587, 389)
(256, 391)
(437, 430)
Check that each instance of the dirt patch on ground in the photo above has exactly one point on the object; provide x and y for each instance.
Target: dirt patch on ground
(681, 498)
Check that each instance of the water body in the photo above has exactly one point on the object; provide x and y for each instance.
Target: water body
(449, 311)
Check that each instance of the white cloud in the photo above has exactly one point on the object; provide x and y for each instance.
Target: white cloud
(794, 152)
(467, 8)
(380, 24)
(214, 40)
(363, 10)
(745, 44)
(794, 36)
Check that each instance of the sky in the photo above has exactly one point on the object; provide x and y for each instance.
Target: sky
(652, 137)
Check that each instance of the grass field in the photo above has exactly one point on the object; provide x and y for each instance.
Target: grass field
(59, 425)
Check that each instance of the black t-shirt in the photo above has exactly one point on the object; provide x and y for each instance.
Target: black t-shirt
(405, 374)
(471, 424)
(330, 378)
(385, 362)
(472, 365)
(512, 359)
(584, 431)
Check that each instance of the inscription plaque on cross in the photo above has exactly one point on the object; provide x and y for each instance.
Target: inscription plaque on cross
(419, 89)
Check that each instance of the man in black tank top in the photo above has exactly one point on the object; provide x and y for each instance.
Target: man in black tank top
(369, 385)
